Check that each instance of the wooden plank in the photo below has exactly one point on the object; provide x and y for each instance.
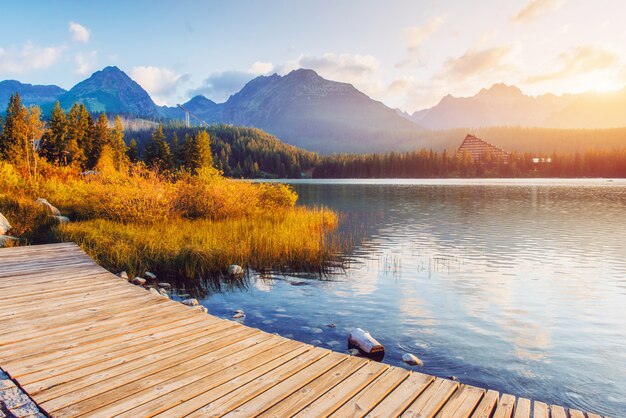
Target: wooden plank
(295, 402)
(179, 398)
(487, 405)
(576, 414)
(505, 407)
(220, 401)
(541, 410)
(137, 346)
(340, 394)
(197, 404)
(558, 412)
(372, 394)
(431, 400)
(402, 396)
(462, 403)
(107, 391)
(285, 388)
(522, 410)
(68, 393)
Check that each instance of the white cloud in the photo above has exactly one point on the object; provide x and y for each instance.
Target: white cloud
(579, 61)
(29, 58)
(415, 35)
(160, 82)
(536, 8)
(260, 67)
(79, 32)
(349, 68)
(219, 85)
(85, 62)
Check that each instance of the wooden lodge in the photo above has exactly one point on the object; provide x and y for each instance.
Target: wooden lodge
(479, 150)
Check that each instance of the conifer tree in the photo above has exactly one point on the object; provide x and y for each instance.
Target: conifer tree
(158, 155)
(133, 151)
(117, 144)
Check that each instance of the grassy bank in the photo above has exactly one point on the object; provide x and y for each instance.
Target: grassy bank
(186, 228)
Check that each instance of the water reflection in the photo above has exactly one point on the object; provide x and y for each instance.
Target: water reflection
(513, 286)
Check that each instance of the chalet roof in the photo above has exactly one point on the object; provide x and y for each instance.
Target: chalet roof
(478, 148)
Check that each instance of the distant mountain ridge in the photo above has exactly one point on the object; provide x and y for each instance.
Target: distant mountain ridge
(503, 105)
(30, 94)
(309, 111)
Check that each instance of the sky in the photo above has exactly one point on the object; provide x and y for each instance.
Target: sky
(407, 54)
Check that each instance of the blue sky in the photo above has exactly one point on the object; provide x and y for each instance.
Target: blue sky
(407, 54)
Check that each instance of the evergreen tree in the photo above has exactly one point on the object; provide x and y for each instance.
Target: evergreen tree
(197, 152)
(117, 144)
(133, 151)
(158, 155)
(100, 136)
(55, 141)
(14, 131)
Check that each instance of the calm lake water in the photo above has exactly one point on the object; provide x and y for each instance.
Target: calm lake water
(515, 285)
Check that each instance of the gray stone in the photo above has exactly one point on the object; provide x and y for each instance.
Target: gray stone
(150, 276)
(316, 342)
(235, 270)
(331, 326)
(51, 209)
(238, 315)
(164, 285)
(354, 351)
(13, 398)
(4, 225)
(61, 219)
(123, 275)
(139, 281)
(163, 293)
(201, 309)
(412, 359)
(5, 240)
(190, 302)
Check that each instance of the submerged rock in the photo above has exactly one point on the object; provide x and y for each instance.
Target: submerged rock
(190, 302)
(412, 360)
(139, 281)
(5, 240)
(201, 309)
(48, 206)
(150, 276)
(453, 378)
(235, 270)
(331, 325)
(4, 225)
(238, 315)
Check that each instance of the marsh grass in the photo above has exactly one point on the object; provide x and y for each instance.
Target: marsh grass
(187, 229)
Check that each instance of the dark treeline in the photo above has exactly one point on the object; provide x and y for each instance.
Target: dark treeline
(432, 164)
(237, 151)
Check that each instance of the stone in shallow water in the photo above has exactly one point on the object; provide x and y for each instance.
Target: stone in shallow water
(412, 359)
(201, 309)
(139, 281)
(238, 315)
(235, 270)
(123, 275)
(190, 302)
(164, 285)
(150, 276)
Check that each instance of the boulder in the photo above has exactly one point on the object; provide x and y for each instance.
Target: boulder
(4, 225)
(165, 286)
(163, 293)
(150, 276)
(235, 270)
(412, 360)
(123, 275)
(201, 309)
(5, 240)
(190, 302)
(139, 281)
(238, 315)
(51, 209)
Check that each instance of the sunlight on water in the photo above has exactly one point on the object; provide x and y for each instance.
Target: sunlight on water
(510, 285)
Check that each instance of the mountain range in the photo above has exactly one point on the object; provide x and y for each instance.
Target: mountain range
(503, 105)
(308, 111)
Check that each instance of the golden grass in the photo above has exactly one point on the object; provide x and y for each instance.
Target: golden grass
(190, 228)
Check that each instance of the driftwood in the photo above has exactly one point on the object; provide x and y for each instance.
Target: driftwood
(365, 343)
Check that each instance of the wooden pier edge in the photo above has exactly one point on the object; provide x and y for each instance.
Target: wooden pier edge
(82, 342)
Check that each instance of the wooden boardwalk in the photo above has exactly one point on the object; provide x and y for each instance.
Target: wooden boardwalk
(83, 342)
